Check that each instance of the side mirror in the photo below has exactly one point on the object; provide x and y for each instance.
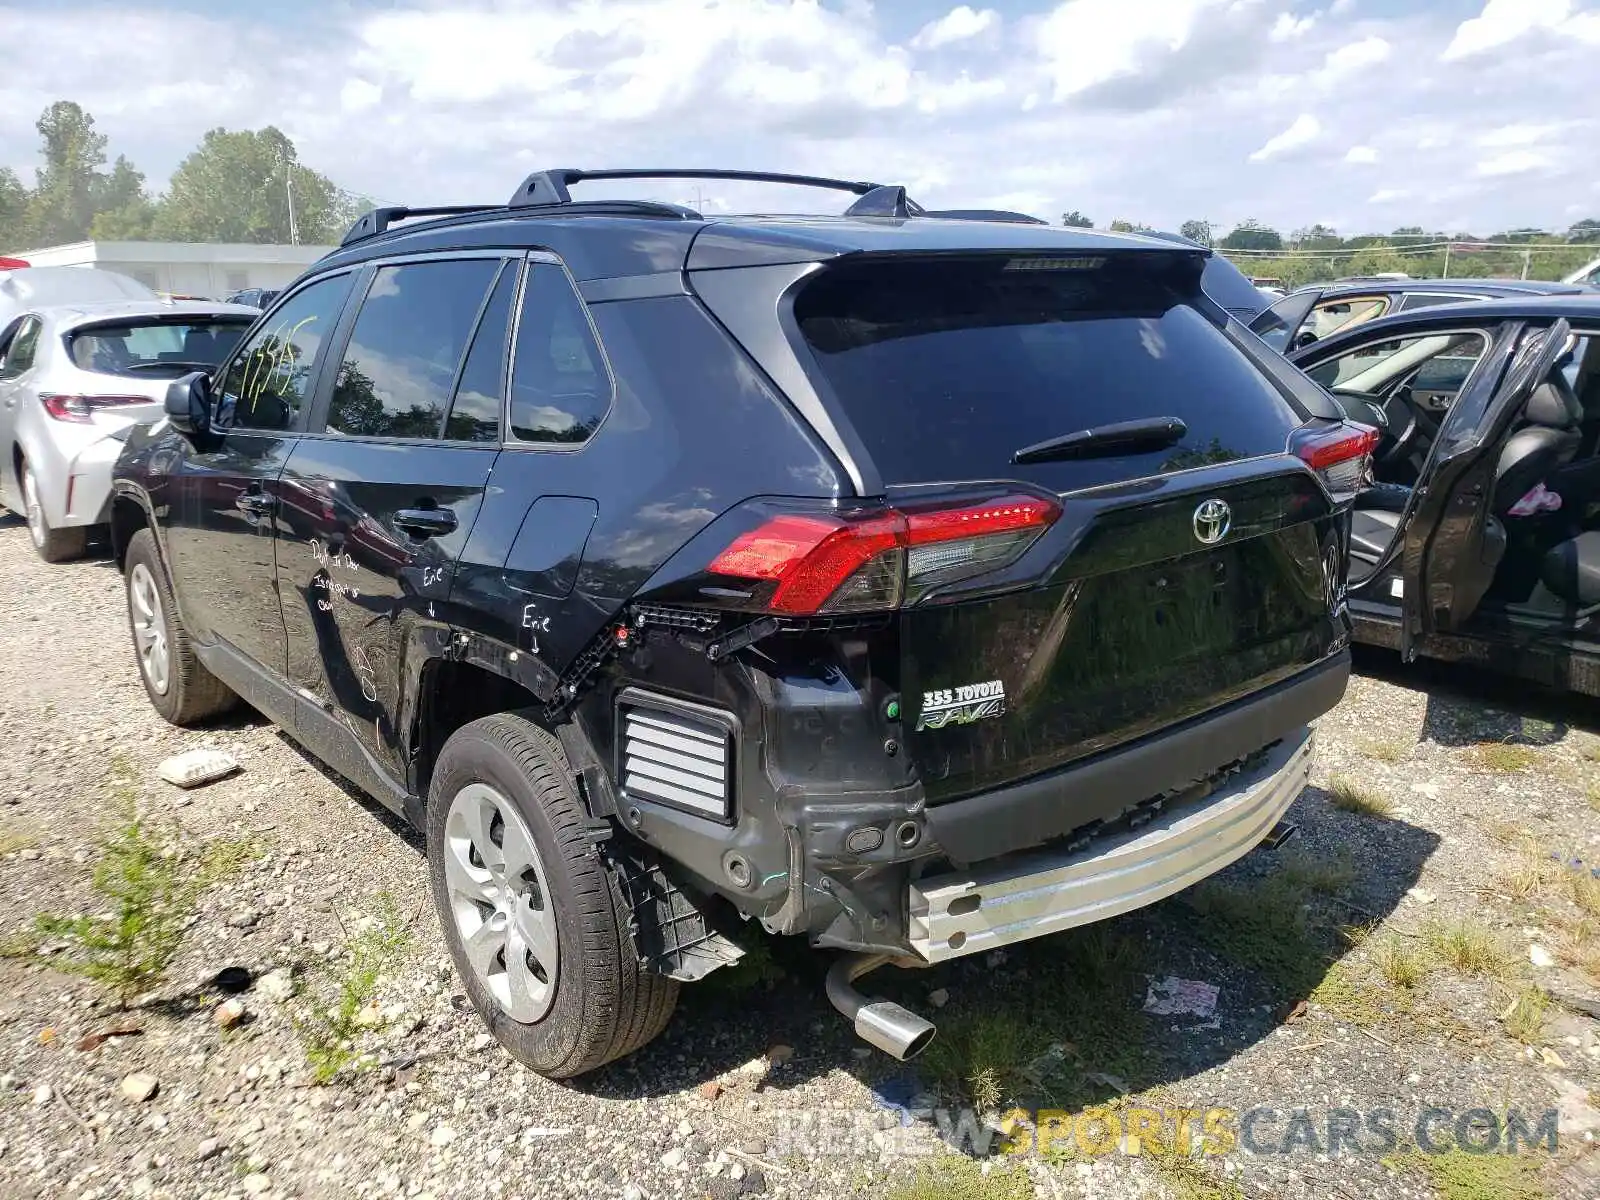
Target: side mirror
(189, 403)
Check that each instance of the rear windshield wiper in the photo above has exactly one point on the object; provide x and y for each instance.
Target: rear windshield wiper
(1120, 437)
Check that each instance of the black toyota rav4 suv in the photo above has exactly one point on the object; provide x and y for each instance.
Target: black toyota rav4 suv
(911, 582)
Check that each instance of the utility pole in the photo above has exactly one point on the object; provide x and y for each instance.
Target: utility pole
(1527, 261)
(288, 189)
(1447, 248)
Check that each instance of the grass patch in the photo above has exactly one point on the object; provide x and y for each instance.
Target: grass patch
(1344, 994)
(329, 1027)
(1501, 757)
(1458, 1175)
(1187, 1178)
(12, 841)
(1534, 873)
(1403, 966)
(755, 971)
(1584, 889)
(1348, 794)
(1468, 948)
(150, 885)
(956, 1177)
(1078, 1015)
(1525, 1020)
(1388, 750)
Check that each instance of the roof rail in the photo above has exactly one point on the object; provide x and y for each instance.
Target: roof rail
(378, 220)
(982, 214)
(550, 187)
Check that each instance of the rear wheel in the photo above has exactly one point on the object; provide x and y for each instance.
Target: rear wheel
(535, 920)
(53, 545)
(178, 684)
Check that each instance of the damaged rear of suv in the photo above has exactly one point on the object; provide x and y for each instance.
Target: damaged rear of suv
(921, 584)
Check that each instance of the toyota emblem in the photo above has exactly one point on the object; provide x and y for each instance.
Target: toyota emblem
(1212, 520)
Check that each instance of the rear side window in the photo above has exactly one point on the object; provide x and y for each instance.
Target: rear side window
(407, 347)
(946, 369)
(560, 388)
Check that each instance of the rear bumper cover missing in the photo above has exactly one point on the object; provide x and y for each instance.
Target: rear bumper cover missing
(1027, 896)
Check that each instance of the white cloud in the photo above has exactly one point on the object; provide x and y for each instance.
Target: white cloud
(358, 94)
(957, 25)
(1305, 129)
(1518, 135)
(1516, 162)
(1503, 21)
(1361, 154)
(1085, 42)
(1388, 195)
(1357, 56)
(1288, 27)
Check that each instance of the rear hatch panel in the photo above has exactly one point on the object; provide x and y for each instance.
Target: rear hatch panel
(1138, 625)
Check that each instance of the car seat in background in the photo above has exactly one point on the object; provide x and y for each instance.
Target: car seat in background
(200, 346)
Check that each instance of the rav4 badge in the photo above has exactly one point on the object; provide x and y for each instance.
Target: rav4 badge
(962, 705)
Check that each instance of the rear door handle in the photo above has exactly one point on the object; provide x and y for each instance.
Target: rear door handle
(425, 522)
(255, 503)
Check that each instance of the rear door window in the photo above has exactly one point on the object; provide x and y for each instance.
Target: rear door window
(23, 347)
(947, 368)
(407, 347)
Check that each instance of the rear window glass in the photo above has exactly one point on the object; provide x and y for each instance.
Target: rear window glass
(154, 347)
(946, 368)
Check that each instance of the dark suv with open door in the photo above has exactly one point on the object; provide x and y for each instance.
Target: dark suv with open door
(913, 583)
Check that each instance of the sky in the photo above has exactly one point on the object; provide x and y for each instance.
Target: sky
(1364, 115)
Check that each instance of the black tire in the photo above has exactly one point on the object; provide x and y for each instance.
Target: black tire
(52, 545)
(192, 693)
(606, 1005)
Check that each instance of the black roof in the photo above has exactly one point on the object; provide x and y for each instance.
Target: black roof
(614, 238)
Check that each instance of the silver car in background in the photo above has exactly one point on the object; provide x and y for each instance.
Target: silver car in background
(74, 379)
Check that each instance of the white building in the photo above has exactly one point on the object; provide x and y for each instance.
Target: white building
(209, 269)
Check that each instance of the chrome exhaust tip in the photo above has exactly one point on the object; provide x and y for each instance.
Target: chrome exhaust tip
(891, 1027)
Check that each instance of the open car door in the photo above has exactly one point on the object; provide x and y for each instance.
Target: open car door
(1277, 325)
(1452, 544)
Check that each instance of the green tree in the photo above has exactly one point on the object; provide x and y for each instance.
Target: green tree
(1587, 230)
(13, 212)
(1076, 220)
(1122, 225)
(1251, 234)
(1316, 237)
(124, 211)
(1197, 231)
(62, 205)
(239, 187)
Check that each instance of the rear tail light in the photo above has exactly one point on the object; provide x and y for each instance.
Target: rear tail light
(825, 564)
(1341, 455)
(80, 410)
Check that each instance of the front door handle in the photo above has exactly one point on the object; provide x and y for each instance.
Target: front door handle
(425, 522)
(255, 503)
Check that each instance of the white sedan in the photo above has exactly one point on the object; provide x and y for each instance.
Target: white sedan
(74, 379)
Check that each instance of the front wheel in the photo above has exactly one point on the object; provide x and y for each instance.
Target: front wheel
(535, 919)
(52, 545)
(177, 682)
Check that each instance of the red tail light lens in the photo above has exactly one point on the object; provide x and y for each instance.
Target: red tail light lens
(1341, 455)
(836, 564)
(80, 410)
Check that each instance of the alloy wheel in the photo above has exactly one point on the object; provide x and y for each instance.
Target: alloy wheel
(500, 900)
(149, 628)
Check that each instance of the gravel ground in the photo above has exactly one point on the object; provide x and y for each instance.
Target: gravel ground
(757, 1088)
